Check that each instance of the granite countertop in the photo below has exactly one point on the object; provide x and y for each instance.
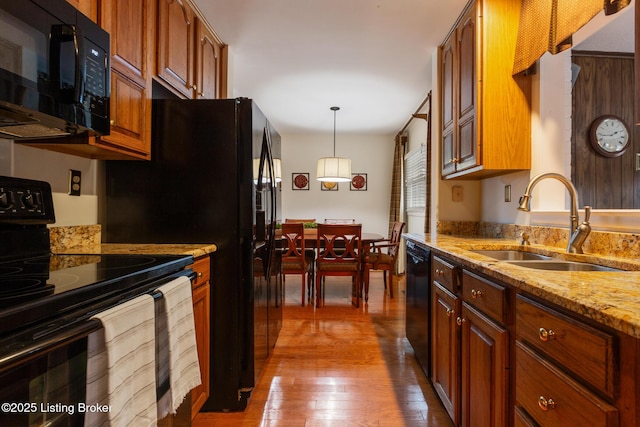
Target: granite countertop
(610, 298)
(194, 249)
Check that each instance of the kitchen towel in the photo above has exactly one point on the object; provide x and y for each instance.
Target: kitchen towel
(184, 368)
(121, 366)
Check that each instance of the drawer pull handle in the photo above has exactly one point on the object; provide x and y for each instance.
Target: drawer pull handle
(450, 312)
(439, 272)
(546, 335)
(546, 404)
(460, 321)
(475, 294)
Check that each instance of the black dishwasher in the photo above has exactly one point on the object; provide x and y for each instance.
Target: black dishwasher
(418, 282)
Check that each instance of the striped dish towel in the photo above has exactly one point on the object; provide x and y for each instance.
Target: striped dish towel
(121, 365)
(184, 368)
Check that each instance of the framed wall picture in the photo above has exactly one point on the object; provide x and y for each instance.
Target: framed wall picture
(358, 182)
(300, 181)
(328, 186)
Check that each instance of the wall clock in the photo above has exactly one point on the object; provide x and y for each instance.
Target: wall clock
(609, 136)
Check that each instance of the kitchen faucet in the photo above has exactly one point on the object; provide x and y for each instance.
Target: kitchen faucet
(578, 233)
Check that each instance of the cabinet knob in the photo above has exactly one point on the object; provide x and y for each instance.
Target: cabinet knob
(450, 312)
(546, 404)
(199, 273)
(439, 272)
(475, 294)
(194, 87)
(460, 321)
(546, 335)
(112, 122)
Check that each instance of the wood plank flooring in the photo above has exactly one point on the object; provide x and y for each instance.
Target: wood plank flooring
(340, 366)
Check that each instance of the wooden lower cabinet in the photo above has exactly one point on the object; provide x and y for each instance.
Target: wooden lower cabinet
(445, 355)
(554, 399)
(485, 370)
(201, 315)
(470, 355)
(502, 357)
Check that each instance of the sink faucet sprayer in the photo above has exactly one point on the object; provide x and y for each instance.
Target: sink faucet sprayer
(578, 233)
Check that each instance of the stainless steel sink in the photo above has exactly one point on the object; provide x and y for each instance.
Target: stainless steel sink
(559, 265)
(504, 255)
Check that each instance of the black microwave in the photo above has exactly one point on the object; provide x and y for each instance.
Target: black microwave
(54, 71)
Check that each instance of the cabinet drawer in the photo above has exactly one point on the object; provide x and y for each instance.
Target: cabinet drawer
(587, 352)
(553, 399)
(445, 274)
(487, 296)
(202, 270)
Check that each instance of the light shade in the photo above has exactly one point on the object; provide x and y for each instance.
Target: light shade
(277, 165)
(334, 169)
(277, 171)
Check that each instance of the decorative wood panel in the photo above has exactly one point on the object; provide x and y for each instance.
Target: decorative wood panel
(603, 87)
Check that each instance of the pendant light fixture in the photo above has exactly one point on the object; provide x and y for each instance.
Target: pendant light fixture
(334, 169)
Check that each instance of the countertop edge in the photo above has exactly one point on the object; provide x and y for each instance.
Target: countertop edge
(609, 298)
(194, 249)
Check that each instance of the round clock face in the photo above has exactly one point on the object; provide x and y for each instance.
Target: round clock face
(609, 136)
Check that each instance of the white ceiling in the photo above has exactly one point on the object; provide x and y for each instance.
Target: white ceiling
(297, 58)
(615, 35)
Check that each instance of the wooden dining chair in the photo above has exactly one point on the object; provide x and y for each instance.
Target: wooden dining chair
(303, 221)
(382, 256)
(296, 259)
(339, 252)
(339, 221)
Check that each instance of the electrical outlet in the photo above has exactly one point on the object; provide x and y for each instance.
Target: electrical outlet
(75, 182)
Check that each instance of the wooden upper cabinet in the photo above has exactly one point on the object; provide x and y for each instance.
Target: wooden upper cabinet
(486, 128)
(87, 7)
(208, 63)
(130, 25)
(175, 46)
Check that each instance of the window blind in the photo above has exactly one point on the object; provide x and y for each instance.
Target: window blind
(415, 163)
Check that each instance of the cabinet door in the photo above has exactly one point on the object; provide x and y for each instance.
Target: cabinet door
(208, 69)
(129, 25)
(176, 35)
(448, 95)
(201, 316)
(445, 357)
(485, 367)
(87, 7)
(467, 92)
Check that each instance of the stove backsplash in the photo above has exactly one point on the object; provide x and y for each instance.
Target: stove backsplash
(79, 237)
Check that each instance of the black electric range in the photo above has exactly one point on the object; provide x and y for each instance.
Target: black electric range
(41, 293)
(37, 288)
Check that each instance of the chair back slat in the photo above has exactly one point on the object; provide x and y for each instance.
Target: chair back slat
(339, 242)
(293, 233)
(394, 238)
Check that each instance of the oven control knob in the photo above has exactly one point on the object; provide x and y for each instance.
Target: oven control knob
(29, 201)
(5, 200)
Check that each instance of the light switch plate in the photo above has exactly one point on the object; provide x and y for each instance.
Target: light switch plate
(457, 193)
(507, 193)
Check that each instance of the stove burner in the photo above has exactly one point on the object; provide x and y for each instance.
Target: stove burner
(18, 290)
(6, 271)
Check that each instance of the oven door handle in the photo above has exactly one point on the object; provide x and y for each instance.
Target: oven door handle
(49, 343)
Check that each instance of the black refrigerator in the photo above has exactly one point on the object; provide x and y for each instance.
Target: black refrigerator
(212, 179)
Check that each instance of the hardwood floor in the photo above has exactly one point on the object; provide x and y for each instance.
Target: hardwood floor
(340, 366)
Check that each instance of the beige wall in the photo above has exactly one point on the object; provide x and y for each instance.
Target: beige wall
(370, 154)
